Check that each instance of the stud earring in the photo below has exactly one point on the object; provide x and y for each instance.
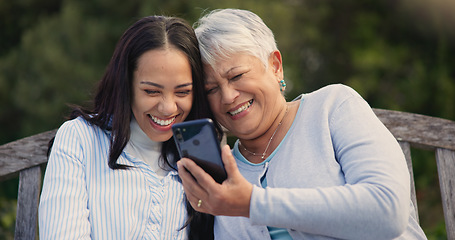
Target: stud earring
(282, 85)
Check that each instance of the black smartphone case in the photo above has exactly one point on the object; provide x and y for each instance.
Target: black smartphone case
(197, 140)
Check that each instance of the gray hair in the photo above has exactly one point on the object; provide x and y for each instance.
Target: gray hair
(224, 32)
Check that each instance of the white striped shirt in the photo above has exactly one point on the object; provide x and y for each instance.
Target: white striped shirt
(82, 198)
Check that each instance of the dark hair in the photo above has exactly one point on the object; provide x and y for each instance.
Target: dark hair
(112, 103)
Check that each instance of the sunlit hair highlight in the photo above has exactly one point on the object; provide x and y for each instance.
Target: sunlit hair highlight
(225, 32)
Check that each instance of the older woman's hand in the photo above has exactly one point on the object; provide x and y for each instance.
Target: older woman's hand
(231, 198)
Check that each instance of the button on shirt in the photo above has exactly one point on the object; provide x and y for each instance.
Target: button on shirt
(82, 198)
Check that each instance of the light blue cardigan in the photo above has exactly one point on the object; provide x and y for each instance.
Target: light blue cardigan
(338, 173)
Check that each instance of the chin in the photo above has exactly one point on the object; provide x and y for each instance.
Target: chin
(161, 137)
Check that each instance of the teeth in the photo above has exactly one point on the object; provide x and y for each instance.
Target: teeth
(242, 108)
(161, 121)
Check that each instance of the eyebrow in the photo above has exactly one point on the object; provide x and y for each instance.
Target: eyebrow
(231, 69)
(161, 86)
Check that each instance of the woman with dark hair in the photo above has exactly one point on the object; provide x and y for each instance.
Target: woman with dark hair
(111, 171)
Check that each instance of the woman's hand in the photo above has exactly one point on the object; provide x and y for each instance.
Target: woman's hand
(231, 198)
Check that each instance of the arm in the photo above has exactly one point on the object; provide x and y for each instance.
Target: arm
(63, 212)
(373, 203)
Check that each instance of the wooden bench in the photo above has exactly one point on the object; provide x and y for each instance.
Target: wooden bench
(24, 157)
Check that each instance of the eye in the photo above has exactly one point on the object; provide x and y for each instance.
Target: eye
(150, 92)
(236, 77)
(211, 90)
(183, 93)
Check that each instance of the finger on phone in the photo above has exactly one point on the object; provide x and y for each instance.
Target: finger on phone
(202, 177)
(190, 184)
(229, 162)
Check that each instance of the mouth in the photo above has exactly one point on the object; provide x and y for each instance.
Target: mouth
(162, 122)
(241, 108)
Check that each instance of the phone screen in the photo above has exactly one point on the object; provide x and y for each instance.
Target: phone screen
(197, 140)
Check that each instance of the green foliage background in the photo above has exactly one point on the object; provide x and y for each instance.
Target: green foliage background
(398, 54)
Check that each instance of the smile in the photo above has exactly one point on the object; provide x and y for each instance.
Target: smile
(162, 122)
(241, 108)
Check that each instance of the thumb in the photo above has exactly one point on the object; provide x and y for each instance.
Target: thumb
(229, 162)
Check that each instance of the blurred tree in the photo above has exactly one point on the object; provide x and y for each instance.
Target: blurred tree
(377, 48)
(17, 16)
(396, 54)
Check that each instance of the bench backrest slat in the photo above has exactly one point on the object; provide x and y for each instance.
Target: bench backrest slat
(445, 160)
(24, 153)
(27, 203)
(25, 156)
(406, 147)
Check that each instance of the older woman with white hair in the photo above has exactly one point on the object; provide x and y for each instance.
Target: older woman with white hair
(320, 167)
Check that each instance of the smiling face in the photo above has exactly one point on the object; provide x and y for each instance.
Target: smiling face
(244, 95)
(162, 91)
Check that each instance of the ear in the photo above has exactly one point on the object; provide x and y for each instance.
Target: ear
(276, 63)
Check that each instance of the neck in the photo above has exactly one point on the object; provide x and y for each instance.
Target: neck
(258, 149)
(140, 139)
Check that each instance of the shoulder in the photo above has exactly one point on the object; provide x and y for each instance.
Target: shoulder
(335, 91)
(77, 124)
(329, 96)
(78, 128)
(81, 140)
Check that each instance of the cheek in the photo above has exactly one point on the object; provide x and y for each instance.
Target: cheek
(135, 107)
(214, 102)
(186, 104)
(141, 105)
(216, 109)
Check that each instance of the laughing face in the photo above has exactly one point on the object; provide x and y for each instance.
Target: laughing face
(162, 92)
(244, 95)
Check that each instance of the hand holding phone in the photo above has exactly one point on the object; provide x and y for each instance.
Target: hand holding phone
(197, 140)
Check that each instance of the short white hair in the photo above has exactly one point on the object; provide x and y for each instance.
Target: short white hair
(224, 32)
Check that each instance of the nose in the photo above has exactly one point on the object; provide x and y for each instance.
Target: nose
(228, 94)
(167, 106)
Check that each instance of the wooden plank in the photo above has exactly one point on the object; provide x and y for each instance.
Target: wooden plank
(446, 170)
(421, 131)
(24, 153)
(405, 146)
(410, 129)
(27, 203)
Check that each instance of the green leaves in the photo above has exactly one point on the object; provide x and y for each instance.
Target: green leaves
(396, 54)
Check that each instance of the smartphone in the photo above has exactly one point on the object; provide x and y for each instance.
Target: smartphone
(197, 140)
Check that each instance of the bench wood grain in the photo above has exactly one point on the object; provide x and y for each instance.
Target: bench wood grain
(25, 156)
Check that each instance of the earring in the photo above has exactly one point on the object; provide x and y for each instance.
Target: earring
(282, 85)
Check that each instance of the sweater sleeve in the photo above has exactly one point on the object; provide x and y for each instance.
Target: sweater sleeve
(63, 211)
(374, 201)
